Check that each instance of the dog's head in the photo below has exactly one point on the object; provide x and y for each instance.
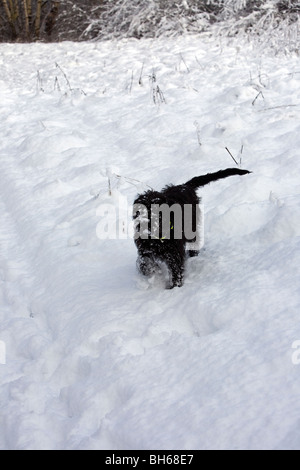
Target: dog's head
(156, 219)
(151, 221)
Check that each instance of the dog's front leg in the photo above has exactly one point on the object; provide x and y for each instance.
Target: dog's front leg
(176, 271)
(175, 280)
(146, 265)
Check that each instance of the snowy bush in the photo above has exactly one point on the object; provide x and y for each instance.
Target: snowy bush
(275, 22)
(152, 18)
(76, 18)
(272, 22)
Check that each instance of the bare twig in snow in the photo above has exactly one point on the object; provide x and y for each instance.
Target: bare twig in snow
(231, 155)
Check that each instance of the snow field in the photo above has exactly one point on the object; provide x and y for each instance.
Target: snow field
(97, 358)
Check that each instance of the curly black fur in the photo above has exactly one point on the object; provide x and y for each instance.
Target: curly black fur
(168, 241)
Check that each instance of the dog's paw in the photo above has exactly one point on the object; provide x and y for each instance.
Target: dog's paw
(142, 283)
(147, 282)
(192, 253)
(171, 285)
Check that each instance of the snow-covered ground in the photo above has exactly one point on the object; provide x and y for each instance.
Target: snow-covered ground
(97, 358)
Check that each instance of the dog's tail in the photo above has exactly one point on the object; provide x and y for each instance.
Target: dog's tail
(199, 181)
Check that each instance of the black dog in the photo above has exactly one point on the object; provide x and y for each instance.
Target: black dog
(167, 225)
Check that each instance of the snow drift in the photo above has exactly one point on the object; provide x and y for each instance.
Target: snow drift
(97, 358)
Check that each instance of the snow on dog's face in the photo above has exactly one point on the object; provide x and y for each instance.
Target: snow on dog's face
(150, 217)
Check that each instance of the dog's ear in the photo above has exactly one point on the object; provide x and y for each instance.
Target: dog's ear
(141, 218)
(139, 210)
